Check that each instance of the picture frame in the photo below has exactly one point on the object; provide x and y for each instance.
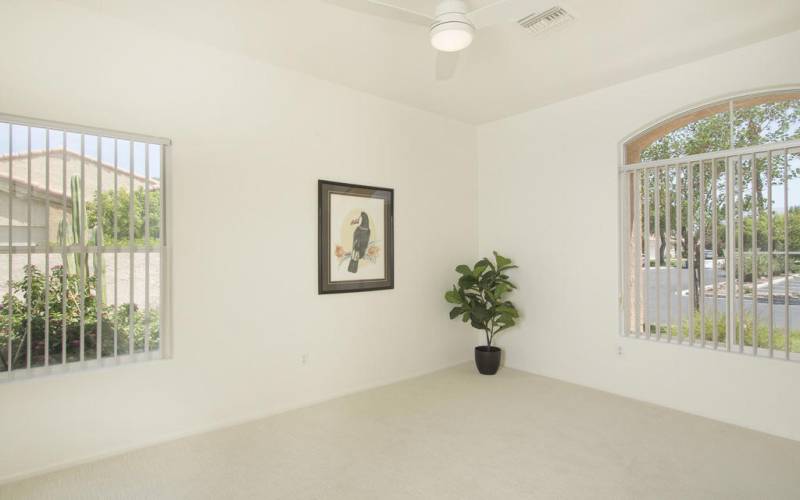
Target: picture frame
(355, 237)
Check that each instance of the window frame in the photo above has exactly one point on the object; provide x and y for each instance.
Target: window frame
(633, 144)
(631, 147)
(165, 350)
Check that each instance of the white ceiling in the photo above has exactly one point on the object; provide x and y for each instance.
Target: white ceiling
(506, 70)
(429, 6)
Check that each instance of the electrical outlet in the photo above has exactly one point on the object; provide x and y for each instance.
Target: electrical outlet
(619, 350)
(304, 359)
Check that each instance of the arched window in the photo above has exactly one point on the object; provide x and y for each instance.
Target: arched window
(711, 227)
(751, 120)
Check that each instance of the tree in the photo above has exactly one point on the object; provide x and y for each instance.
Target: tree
(121, 207)
(763, 123)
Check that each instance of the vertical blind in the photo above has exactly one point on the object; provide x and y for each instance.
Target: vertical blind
(83, 270)
(707, 258)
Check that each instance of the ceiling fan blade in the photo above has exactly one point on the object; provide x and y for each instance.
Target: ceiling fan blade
(507, 11)
(385, 10)
(446, 64)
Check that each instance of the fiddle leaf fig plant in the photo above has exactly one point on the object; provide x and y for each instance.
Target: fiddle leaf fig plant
(479, 296)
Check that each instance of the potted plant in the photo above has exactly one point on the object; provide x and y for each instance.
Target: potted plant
(479, 297)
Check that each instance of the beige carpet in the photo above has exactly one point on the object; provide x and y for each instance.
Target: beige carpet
(451, 435)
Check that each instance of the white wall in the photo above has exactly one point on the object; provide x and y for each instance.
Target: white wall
(256, 138)
(548, 199)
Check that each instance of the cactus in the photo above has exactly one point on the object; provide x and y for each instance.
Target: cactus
(70, 234)
(99, 265)
(64, 240)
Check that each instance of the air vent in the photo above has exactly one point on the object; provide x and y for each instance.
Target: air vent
(537, 23)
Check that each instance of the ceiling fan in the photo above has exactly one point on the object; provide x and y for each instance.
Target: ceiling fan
(453, 25)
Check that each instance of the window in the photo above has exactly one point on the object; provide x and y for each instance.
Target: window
(81, 247)
(710, 205)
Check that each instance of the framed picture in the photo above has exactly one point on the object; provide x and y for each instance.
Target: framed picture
(356, 238)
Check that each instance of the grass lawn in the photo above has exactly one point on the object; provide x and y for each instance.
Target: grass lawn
(762, 333)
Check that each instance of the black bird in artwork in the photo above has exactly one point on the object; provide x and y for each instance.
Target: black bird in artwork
(360, 241)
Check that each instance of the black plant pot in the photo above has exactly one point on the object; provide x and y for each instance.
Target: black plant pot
(487, 359)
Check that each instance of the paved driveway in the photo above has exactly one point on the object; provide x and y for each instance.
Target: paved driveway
(679, 297)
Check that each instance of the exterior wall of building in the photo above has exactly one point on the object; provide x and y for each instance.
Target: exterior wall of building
(19, 220)
(54, 190)
(72, 167)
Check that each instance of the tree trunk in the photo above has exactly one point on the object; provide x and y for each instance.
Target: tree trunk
(698, 268)
(684, 244)
(662, 250)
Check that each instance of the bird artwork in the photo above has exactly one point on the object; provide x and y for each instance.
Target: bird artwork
(360, 241)
(356, 242)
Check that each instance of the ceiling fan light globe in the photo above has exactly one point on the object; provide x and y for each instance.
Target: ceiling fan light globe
(452, 36)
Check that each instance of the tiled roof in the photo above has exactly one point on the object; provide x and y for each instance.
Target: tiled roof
(77, 156)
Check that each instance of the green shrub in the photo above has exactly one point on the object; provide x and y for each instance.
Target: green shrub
(762, 265)
(761, 331)
(64, 316)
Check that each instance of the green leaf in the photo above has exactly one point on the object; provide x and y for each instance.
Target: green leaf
(502, 262)
(453, 297)
(506, 320)
(478, 325)
(488, 279)
(455, 312)
(464, 269)
(504, 327)
(480, 313)
(467, 281)
(506, 282)
(509, 310)
(480, 267)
